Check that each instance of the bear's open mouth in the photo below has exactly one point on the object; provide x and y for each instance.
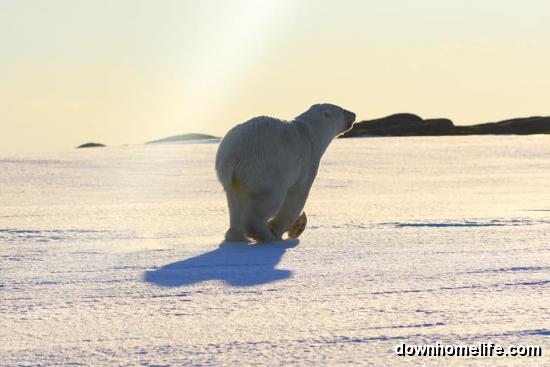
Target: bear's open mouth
(348, 127)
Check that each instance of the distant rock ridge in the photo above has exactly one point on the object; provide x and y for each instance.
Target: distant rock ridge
(407, 124)
(183, 137)
(91, 145)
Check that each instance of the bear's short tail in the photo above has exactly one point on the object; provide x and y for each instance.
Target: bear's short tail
(225, 170)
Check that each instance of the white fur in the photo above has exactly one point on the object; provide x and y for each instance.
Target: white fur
(267, 167)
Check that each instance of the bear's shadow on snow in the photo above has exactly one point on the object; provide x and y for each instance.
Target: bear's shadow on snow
(238, 264)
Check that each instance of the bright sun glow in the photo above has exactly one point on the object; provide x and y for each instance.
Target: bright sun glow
(227, 55)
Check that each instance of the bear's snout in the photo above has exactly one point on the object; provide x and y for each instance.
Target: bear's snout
(350, 118)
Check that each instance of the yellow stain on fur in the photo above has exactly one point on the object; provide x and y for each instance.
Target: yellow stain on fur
(236, 184)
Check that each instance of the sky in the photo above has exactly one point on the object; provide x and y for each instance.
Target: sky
(129, 71)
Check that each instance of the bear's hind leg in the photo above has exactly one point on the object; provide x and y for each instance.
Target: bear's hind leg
(236, 232)
(233, 235)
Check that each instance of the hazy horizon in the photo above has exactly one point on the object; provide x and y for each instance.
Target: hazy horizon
(127, 72)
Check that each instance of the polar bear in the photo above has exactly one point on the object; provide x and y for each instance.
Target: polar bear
(267, 166)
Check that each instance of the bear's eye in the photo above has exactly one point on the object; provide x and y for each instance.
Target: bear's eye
(326, 113)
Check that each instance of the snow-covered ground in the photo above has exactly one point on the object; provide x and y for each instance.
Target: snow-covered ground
(112, 257)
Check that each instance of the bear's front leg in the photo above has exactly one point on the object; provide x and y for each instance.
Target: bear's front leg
(290, 211)
(259, 208)
(298, 227)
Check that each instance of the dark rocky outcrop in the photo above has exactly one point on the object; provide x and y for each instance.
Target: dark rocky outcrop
(520, 126)
(183, 137)
(406, 124)
(91, 145)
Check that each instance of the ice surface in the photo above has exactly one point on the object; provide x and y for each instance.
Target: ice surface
(112, 256)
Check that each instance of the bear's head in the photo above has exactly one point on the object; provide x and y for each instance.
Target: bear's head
(330, 117)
